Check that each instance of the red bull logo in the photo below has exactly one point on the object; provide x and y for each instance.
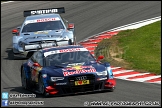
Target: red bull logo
(78, 70)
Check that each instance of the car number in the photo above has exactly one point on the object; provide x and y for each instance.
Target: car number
(81, 82)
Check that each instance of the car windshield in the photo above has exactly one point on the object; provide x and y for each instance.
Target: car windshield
(41, 26)
(69, 58)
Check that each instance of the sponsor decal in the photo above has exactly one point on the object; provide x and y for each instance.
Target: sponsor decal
(41, 32)
(47, 19)
(30, 64)
(77, 67)
(81, 69)
(61, 83)
(75, 64)
(64, 51)
(82, 82)
(102, 78)
(79, 72)
(41, 20)
(34, 70)
(70, 50)
(44, 11)
(34, 67)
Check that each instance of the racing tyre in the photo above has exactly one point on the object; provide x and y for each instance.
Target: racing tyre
(12, 55)
(41, 86)
(70, 42)
(23, 79)
(112, 89)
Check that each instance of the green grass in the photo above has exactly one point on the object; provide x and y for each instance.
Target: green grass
(141, 48)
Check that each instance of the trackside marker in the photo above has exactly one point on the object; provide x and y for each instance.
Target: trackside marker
(145, 78)
(127, 76)
(122, 71)
(142, 76)
(127, 73)
(158, 82)
(154, 80)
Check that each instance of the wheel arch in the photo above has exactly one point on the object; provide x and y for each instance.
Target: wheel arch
(26, 70)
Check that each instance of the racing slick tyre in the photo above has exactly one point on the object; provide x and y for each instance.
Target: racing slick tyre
(74, 43)
(41, 86)
(112, 89)
(12, 55)
(24, 81)
(70, 42)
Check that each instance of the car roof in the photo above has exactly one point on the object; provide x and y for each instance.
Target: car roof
(42, 16)
(60, 48)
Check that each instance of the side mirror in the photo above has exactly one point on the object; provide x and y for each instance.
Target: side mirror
(100, 57)
(70, 26)
(15, 31)
(19, 27)
(36, 64)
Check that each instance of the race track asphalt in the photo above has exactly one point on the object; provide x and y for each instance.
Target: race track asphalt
(89, 17)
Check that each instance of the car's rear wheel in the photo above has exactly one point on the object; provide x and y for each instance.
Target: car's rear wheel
(12, 55)
(23, 79)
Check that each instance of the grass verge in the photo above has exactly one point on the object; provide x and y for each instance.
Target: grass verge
(137, 49)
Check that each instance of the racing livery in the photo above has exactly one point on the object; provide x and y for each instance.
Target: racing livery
(66, 70)
(42, 28)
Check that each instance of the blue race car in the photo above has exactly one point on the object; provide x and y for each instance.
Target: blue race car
(63, 70)
(41, 28)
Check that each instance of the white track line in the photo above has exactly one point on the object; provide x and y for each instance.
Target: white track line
(122, 71)
(137, 24)
(113, 68)
(131, 26)
(7, 2)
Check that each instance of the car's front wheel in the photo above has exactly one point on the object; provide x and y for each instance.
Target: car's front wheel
(70, 42)
(112, 89)
(23, 79)
(41, 86)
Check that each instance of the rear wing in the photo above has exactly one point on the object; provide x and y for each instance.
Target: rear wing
(44, 11)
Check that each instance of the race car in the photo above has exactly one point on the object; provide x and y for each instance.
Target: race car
(64, 70)
(42, 28)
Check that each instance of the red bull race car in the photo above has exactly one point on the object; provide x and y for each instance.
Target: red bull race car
(64, 70)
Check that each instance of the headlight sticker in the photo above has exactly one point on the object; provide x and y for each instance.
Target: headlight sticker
(44, 75)
(110, 72)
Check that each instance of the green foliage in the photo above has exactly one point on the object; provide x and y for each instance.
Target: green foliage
(141, 47)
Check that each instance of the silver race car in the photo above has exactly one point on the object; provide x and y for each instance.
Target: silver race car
(42, 28)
